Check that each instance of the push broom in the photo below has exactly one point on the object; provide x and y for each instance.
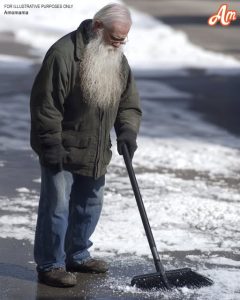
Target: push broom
(161, 279)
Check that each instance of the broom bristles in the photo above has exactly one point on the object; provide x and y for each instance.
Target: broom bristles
(176, 278)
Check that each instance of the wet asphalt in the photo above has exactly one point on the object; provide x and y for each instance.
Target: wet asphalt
(216, 97)
(18, 278)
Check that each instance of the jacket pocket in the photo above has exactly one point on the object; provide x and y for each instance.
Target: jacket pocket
(78, 148)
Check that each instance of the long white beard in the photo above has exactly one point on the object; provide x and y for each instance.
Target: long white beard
(100, 77)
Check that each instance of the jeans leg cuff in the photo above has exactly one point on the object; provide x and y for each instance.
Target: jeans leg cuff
(47, 268)
(80, 257)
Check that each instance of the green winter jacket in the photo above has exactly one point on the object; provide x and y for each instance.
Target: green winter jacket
(59, 115)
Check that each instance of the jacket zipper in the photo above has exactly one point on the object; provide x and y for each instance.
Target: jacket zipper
(99, 143)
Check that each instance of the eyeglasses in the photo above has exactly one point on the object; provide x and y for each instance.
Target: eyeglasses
(115, 40)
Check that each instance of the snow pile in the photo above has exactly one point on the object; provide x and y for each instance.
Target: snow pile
(152, 44)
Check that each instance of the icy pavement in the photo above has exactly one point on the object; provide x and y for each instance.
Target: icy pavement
(187, 168)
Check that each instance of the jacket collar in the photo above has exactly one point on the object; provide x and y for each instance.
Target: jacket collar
(83, 34)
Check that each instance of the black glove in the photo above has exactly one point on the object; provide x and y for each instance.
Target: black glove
(52, 157)
(127, 137)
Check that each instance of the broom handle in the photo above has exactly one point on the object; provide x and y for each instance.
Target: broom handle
(143, 214)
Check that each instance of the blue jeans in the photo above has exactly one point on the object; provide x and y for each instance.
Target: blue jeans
(68, 212)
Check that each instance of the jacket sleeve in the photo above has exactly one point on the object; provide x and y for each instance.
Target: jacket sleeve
(47, 99)
(129, 111)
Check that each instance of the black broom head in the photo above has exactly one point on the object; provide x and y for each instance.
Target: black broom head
(176, 278)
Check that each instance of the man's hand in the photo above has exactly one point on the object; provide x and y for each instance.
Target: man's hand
(127, 137)
(52, 157)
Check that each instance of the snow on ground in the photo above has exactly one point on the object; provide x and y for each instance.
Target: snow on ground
(188, 172)
(152, 44)
(216, 260)
(18, 215)
(194, 169)
(227, 290)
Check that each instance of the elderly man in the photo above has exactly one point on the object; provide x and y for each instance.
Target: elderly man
(83, 89)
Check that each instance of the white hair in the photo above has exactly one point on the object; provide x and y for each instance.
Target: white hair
(113, 12)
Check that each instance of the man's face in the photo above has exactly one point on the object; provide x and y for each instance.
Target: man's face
(116, 34)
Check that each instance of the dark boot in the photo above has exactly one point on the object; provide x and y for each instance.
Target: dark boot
(90, 266)
(57, 277)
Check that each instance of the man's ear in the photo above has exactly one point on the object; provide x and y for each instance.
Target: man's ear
(97, 25)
